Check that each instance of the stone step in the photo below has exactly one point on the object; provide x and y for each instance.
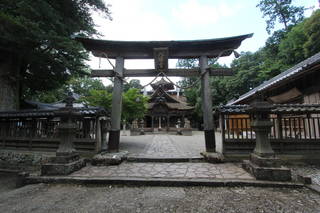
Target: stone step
(151, 159)
(174, 182)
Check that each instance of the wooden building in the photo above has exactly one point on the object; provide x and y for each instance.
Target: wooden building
(297, 85)
(166, 109)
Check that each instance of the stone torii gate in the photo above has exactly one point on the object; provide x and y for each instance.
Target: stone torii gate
(161, 51)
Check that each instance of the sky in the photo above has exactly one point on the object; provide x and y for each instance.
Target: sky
(139, 20)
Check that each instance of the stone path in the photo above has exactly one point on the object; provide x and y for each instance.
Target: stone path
(167, 170)
(168, 146)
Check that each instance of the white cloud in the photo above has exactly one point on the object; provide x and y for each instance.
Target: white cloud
(131, 21)
(195, 13)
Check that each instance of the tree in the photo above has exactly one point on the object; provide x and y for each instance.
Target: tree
(79, 85)
(312, 31)
(134, 105)
(99, 98)
(37, 45)
(282, 11)
(133, 83)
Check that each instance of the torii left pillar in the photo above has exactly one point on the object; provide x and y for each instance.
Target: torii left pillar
(210, 154)
(114, 136)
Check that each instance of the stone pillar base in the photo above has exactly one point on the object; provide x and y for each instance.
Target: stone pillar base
(186, 131)
(266, 168)
(62, 165)
(213, 157)
(108, 159)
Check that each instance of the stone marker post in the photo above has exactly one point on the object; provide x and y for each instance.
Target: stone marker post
(67, 160)
(263, 163)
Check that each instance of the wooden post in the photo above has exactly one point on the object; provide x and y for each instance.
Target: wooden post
(114, 136)
(207, 106)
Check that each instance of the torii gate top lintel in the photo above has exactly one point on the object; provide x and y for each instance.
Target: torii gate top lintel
(177, 49)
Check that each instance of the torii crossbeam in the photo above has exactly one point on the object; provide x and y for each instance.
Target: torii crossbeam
(161, 52)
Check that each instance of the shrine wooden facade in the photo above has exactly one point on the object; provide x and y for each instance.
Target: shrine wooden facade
(166, 111)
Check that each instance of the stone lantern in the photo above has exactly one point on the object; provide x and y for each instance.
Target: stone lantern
(263, 163)
(67, 160)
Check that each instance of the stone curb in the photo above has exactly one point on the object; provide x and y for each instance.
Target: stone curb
(164, 160)
(314, 187)
(177, 182)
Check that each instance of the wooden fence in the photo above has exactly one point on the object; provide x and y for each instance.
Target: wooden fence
(35, 132)
(292, 132)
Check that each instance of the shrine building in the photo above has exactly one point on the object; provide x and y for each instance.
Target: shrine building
(167, 109)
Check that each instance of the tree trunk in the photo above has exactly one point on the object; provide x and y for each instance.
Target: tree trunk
(9, 82)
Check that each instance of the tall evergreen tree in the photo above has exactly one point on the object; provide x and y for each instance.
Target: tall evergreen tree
(37, 48)
(281, 11)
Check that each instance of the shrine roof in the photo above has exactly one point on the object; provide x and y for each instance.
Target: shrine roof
(278, 108)
(165, 84)
(170, 101)
(177, 49)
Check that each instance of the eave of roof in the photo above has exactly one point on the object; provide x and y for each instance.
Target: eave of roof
(287, 75)
(177, 49)
(278, 108)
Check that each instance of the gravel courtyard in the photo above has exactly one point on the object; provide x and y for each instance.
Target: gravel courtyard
(74, 198)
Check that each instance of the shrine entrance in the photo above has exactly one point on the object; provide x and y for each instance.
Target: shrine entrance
(161, 52)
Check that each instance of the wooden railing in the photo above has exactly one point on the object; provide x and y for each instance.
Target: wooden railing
(41, 134)
(294, 128)
(290, 134)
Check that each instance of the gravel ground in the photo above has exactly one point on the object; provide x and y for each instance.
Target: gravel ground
(7, 182)
(310, 170)
(74, 198)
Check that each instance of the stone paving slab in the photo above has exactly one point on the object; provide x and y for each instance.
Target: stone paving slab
(163, 146)
(167, 170)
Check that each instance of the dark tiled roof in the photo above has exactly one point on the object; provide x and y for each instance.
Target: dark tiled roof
(284, 76)
(177, 106)
(90, 111)
(279, 108)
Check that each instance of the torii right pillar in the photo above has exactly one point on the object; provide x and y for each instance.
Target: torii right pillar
(210, 153)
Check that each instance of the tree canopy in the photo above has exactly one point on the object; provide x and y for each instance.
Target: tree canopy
(40, 34)
(282, 11)
(282, 50)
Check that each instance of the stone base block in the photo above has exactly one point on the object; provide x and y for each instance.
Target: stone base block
(107, 159)
(62, 168)
(61, 159)
(265, 161)
(213, 157)
(186, 131)
(267, 173)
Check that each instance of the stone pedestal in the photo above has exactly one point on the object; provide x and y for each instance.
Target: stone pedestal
(266, 168)
(213, 157)
(263, 163)
(67, 160)
(108, 159)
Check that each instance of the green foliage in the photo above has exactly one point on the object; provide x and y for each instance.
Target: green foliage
(79, 85)
(40, 33)
(281, 11)
(99, 98)
(134, 105)
(291, 47)
(312, 31)
(134, 83)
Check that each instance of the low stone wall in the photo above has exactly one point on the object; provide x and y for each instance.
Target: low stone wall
(23, 161)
